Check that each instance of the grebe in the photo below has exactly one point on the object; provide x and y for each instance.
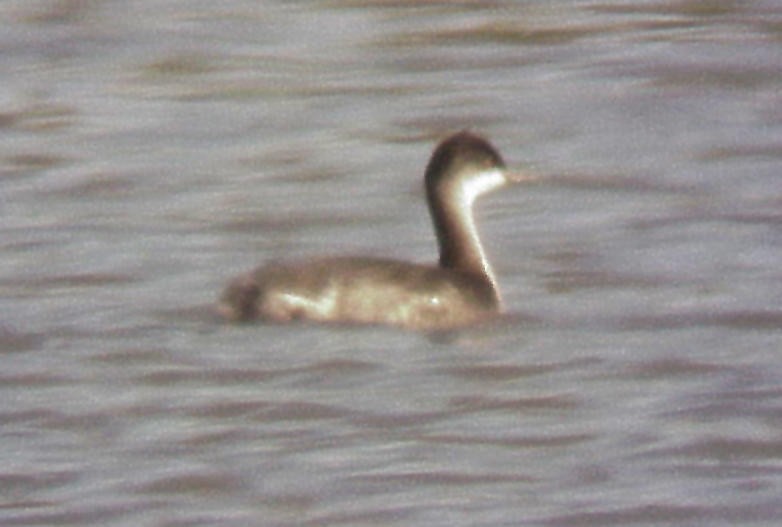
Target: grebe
(460, 291)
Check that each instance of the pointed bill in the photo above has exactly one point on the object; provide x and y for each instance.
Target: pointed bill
(520, 175)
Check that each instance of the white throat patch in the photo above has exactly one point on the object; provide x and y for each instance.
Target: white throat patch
(482, 182)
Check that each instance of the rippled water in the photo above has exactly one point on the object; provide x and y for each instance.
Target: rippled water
(150, 150)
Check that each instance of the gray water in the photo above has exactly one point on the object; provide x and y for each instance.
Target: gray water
(151, 150)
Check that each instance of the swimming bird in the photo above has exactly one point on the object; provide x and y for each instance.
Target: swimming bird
(460, 291)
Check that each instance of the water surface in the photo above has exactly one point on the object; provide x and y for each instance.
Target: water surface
(151, 150)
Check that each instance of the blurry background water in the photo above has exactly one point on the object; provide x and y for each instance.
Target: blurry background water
(151, 149)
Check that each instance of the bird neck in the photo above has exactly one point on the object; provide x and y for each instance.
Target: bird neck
(457, 236)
